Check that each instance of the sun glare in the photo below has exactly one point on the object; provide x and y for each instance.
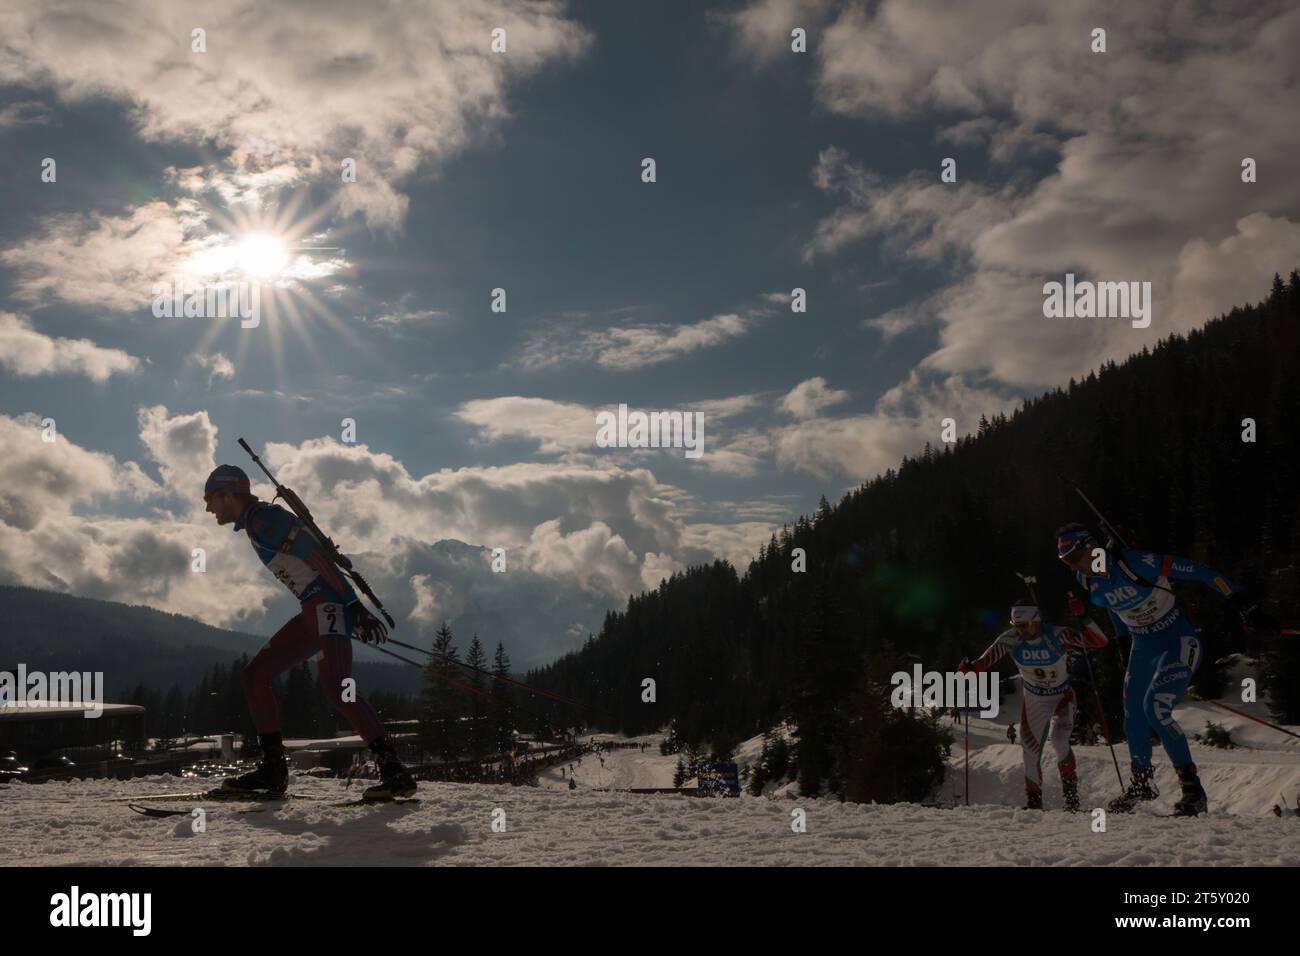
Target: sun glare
(256, 255)
(261, 255)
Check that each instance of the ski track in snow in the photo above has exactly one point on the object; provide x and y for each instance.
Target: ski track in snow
(550, 825)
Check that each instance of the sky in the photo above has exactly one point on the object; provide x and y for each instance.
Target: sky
(522, 169)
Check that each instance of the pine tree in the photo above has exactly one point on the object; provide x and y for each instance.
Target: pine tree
(480, 732)
(503, 705)
(441, 703)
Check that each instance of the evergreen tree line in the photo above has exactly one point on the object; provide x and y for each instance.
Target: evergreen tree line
(463, 713)
(216, 705)
(919, 563)
(466, 712)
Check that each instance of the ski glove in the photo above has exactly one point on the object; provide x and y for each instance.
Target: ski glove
(1075, 605)
(365, 625)
(1252, 618)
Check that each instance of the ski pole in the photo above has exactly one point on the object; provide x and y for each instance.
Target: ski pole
(1030, 581)
(1101, 518)
(967, 758)
(1101, 713)
(506, 680)
(1192, 695)
(486, 695)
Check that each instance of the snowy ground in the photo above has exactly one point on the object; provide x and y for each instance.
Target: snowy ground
(550, 825)
(1245, 781)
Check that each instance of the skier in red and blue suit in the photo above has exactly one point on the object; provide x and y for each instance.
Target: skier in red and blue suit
(330, 615)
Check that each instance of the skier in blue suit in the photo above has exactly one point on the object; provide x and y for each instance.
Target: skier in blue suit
(1133, 586)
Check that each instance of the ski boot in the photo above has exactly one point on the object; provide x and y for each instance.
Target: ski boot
(1141, 787)
(1194, 800)
(1033, 796)
(1070, 790)
(272, 773)
(395, 781)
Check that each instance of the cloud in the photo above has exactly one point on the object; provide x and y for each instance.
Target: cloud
(569, 430)
(903, 420)
(578, 539)
(294, 89)
(40, 478)
(28, 353)
(762, 29)
(630, 347)
(895, 322)
(1146, 144)
(808, 398)
(408, 317)
(24, 113)
(1210, 274)
(737, 543)
(557, 427)
(217, 364)
(99, 261)
(184, 446)
(594, 557)
(919, 217)
(54, 533)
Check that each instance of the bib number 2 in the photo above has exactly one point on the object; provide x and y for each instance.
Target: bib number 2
(330, 620)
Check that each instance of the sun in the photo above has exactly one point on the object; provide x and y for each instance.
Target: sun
(289, 255)
(260, 255)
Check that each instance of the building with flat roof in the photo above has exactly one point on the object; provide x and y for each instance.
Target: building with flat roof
(38, 729)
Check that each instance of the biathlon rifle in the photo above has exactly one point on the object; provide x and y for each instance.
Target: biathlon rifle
(331, 549)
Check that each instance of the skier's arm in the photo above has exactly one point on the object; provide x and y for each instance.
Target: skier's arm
(305, 546)
(1156, 565)
(1085, 632)
(995, 652)
(1184, 569)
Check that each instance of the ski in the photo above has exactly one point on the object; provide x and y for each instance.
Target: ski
(372, 803)
(160, 812)
(216, 796)
(148, 811)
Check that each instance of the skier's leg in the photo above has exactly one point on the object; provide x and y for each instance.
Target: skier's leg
(1035, 713)
(1031, 749)
(290, 645)
(1137, 682)
(1062, 725)
(334, 667)
(1168, 685)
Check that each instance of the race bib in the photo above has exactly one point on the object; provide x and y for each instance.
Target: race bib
(1050, 675)
(330, 620)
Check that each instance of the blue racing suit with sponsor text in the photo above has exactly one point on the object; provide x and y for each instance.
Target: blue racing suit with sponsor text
(1166, 651)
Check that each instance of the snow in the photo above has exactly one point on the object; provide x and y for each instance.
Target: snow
(70, 822)
(623, 770)
(1245, 781)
